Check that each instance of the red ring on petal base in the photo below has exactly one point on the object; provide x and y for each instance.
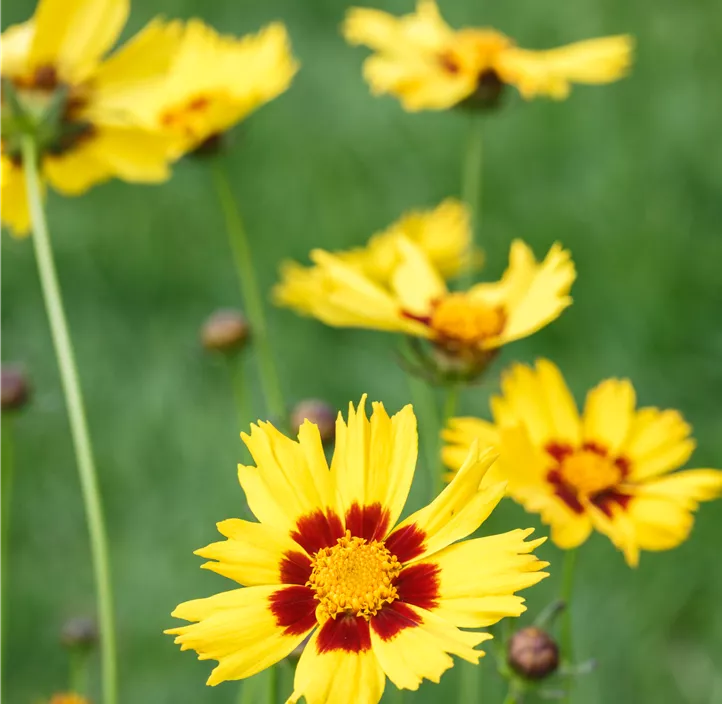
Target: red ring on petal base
(370, 522)
(407, 542)
(295, 609)
(347, 632)
(295, 568)
(318, 530)
(393, 619)
(419, 585)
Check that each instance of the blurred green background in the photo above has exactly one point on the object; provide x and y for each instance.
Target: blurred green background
(627, 176)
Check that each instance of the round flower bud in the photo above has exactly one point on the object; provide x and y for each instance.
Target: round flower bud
(79, 632)
(15, 388)
(226, 330)
(532, 653)
(318, 412)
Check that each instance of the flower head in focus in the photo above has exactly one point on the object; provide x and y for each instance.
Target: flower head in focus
(84, 109)
(609, 469)
(430, 66)
(217, 80)
(327, 559)
(462, 325)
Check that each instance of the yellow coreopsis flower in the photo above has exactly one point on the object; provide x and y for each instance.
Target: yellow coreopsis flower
(609, 469)
(443, 233)
(327, 559)
(54, 66)
(429, 66)
(68, 698)
(217, 80)
(416, 301)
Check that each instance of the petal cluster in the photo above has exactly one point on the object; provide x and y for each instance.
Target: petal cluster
(428, 65)
(131, 114)
(610, 468)
(328, 559)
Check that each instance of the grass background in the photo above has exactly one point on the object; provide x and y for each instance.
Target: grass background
(627, 176)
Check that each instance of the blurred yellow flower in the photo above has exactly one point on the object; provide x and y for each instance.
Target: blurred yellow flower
(415, 300)
(608, 469)
(54, 66)
(328, 560)
(444, 234)
(430, 66)
(217, 80)
(68, 698)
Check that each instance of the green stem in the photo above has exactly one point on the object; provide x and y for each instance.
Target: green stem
(470, 683)
(567, 645)
(513, 694)
(8, 458)
(449, 411)
(251, 294)
(424, 403)
(241, 392)
(78, 423)
(471, 177)
(272, 695)
(78, 680)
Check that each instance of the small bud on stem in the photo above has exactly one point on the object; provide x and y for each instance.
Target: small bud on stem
(532, 653)
(318, 412)
(226, 330)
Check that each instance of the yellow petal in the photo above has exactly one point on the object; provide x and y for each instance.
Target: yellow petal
(15, 212)
(423, 651)
(478, 578)
(16, 42)
(687, 488)
(374, 460)
(608, 414)
(291, 478)
(543, 298)
(460, 508)
(415, 281)
(551, 73)
(73, 35)
(460, 433)
(238, 629)
(657, 442)
(251, 555)
(330, 677)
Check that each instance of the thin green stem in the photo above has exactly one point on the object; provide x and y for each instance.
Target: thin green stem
(471, 176)
(272, 692)
(241, 392)
(470, 683)
(78, 422)
(251, 294)
(514, 693)
(8, 459)
(78, 678)
(424, 402)
(570, 557)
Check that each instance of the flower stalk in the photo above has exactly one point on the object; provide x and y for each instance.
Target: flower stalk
(567, 645)
(7, 486)
(251, 294)
(78, 420)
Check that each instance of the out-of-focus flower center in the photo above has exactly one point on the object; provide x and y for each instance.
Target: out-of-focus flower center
(474, 51)
(589, 472)
(354, 576)
(460, 318)
(189, 118)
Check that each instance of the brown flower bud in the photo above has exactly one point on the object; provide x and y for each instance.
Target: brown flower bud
(226, 330)
(79, 632)
(532, 653)
(15, 388)
(318, 412)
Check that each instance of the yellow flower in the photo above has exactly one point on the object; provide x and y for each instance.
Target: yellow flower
(608, 469)
(217, 80)
(56, 59)
(327, 559)
(68, 698)
(416, 301)
(443, 233)
(430, 66)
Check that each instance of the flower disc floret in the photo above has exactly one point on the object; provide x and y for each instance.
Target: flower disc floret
(460, 318)
(354, 576)
(589, 472)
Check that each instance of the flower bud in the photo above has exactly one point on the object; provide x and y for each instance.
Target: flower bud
(318, 412)
(15, 388)
(79, 632)
(532, 653)
(226, 330)
(488, 94)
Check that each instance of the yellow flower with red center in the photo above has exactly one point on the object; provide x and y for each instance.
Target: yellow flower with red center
(217, 80)
(610, 468)
(430, 66)
(54, 64)
(327, 559)
(443, 233)
(412, 298)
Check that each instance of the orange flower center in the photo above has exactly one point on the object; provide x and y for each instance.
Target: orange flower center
(190, 117)
(589, 472)
(458, 317)
(354, 576)
(475, 51)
